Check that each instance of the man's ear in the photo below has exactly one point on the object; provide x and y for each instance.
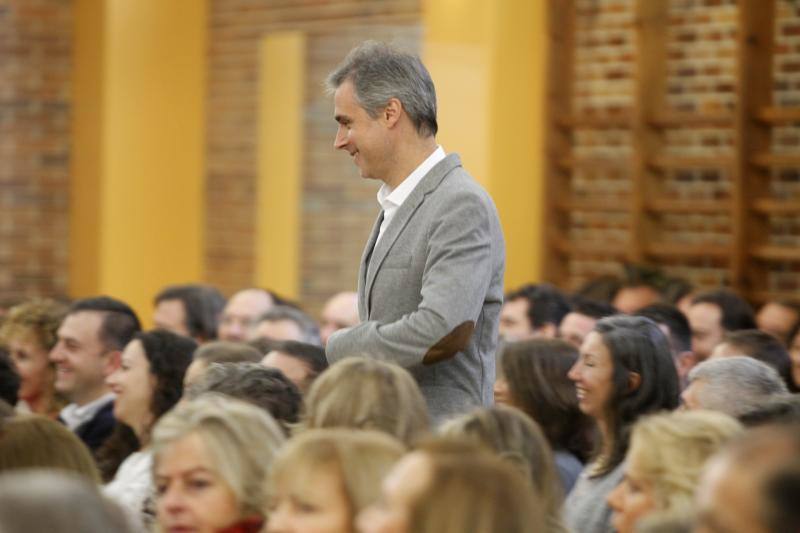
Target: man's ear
(392, 112)
(685, 362)
(113, 360)
(634, 381)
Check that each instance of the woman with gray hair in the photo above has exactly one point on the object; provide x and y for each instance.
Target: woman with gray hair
(211, 460)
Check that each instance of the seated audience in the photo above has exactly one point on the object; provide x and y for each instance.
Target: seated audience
(794, 354)
(601, 288)
(731, 385)
(55, 502)
(147, 384)
(241, 312)
(454, 487)
(339, 312)
(323, 478)
(779, 318)
(625, 370)
(515, 438)
(676, 327)
(219, 352)
(533, 377)
(35, 441)
(363, 393)
(582, 318)
(191, 310)
(641, 286)
(266, 388)
(532, 311)
(90, 340)
(753, 485)
(712, 315)
(300, 362)
(761, 346)
(781, 409)
(28, 333)
(211, 458)
(10, 380)
(285, 323)
(664, 462)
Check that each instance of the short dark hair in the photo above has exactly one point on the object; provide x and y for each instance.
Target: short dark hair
(120, 322)
(263, 387)
(766, 348)
(784, 409)
(680, 333)
(635, 344)
(202, 305)
(546, 304)
(227, 352)
(591, 308)
(602, 288)
(312, 355)
(9, 379)
(675, 289)
(736, 313)
(308, 327)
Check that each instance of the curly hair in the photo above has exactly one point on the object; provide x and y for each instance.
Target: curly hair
(38, 319)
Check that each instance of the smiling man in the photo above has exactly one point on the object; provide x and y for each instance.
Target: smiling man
(431, 277)
(90, 340)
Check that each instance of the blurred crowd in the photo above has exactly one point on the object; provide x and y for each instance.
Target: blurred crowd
(635, 403)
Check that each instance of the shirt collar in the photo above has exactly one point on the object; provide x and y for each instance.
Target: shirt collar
(74, 415)
(389, 197)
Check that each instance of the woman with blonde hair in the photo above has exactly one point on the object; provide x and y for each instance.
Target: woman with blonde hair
(28, 332)
(322, 478)
(35, 441)
(518, 440)
(363, 393)
(211, 457)
(664, 462)
(452, 486)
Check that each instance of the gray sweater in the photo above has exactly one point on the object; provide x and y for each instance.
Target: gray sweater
(585, 509)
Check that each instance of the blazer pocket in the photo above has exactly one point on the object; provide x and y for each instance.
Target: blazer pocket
(399, 261)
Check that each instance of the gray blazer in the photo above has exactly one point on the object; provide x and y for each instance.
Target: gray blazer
(431, 290)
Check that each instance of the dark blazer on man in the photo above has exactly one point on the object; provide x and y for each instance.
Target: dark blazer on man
(94, 432)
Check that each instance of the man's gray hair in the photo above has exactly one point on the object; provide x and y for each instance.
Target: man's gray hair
(735, 385)
(379, 73)
(308, 327)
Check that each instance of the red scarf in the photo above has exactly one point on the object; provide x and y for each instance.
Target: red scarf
(253, 524)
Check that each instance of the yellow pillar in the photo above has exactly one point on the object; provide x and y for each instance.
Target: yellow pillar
(143, 147)
(487, 60)
(280, 144)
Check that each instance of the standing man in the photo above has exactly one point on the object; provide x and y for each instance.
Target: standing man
(430, 286)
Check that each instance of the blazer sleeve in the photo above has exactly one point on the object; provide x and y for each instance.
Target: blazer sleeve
(457, 273)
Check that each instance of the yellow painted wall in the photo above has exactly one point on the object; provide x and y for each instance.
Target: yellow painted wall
(150, 152)
(487, 60)
(280, 145)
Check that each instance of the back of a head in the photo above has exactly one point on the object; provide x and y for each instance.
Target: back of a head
(227, 352)
(361, 458)
(765, 348)
(601, 288)
(474, 493)
(203, 305)
(33, 441)
(119, 324)
(516, 439)
(591, 308)
(779, 409)
(9, 379)
(311, 354)
(263, 387)
(735, 385)
(680, 334)
(736, 313)
(368, 394)
(546, 303)
(55, 502)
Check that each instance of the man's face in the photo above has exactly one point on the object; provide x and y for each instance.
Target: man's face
(82, 361)
(363, 137)
(776, 319)
(293, 368)
(575, 327)
(691, 395)
(279, 330)
(514, 322)
(630, 299)
(340, 312)
(241, 313)
(171, 316)
(705, 322)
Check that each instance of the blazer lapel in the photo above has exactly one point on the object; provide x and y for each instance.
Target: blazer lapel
(363, 311)
(431, 180)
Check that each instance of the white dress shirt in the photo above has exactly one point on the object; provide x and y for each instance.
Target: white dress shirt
(74, 415)
(391, 199)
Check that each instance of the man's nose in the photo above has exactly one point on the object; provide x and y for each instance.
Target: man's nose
(341, 139)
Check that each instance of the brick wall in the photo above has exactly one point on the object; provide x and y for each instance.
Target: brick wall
(35, 61)
(338, 207)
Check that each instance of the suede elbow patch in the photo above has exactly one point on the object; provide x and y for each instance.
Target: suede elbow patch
(452, 343)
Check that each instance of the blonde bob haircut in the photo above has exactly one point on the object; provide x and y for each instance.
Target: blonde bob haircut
(35, 441)
(360, 393)
(240, 438)
(669, 450)
(359, 458)
(469, 490)
(518, 440)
